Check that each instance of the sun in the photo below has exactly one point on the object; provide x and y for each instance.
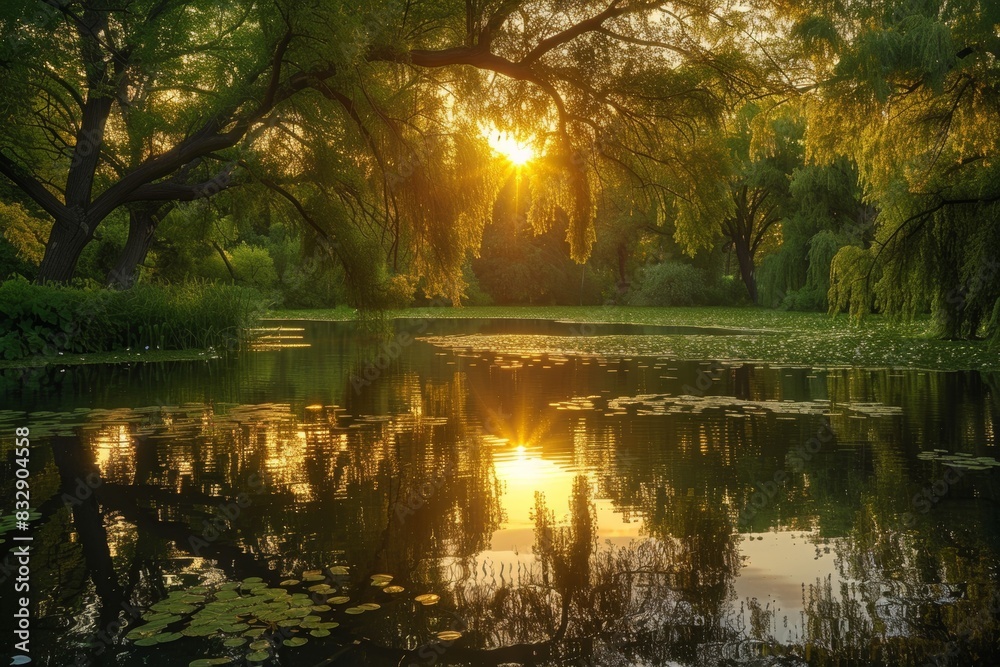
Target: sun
(517, 152)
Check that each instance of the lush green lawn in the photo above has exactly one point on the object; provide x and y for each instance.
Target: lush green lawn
(814, 339)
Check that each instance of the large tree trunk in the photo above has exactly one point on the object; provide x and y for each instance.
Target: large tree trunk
(70, 234)
(747, 269)
(80, 477)
(623, 282)
(142, 222)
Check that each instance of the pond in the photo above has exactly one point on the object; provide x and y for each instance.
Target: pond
(479, 492)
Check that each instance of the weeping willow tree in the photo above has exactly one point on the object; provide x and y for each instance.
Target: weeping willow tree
(388, 186)
(143, 105)
(824, 213)
(909, 91)
(740, 192)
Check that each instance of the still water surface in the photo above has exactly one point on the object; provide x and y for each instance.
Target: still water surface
(549, 503)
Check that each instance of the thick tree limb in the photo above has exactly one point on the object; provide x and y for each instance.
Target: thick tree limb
(571, 33)
(173, 191)
(22, 179)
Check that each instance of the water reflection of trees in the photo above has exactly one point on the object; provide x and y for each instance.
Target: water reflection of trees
(338, 479)
(335, 482)
(918, 585)
(578, 603)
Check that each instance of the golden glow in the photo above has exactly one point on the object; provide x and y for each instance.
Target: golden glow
(517, 152)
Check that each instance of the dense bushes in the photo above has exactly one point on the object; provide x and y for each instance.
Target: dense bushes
(674, 283)
(670, 284)
(46, 320)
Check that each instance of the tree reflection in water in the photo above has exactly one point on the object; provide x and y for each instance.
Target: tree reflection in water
(403, 479)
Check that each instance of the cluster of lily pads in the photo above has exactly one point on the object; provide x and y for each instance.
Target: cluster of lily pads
(248, 615)
(254, 617)
(960, 460)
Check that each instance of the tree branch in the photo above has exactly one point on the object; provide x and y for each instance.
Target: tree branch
(22, 179)
(571, 33)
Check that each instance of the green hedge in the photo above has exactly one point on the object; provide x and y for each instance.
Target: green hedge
(46, 320)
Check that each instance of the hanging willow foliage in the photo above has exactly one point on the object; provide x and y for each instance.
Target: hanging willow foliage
(560, 182)
(913, 99)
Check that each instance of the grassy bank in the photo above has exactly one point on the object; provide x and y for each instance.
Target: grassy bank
(42, 324)
(813, 339)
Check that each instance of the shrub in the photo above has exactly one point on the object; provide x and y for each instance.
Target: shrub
(46, 319)
(474, 294)
(254, 266)
(728, 291)
(670, 283)
(808, 298)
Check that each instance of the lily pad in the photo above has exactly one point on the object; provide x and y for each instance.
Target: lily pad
(295, 641)
(199, 630)
(381, 579)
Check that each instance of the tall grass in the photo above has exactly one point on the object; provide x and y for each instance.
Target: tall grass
(47, 319)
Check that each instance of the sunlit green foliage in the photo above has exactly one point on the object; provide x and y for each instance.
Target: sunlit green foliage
(911, 97)
(781, 128)
(824, 213)
(48, 321)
